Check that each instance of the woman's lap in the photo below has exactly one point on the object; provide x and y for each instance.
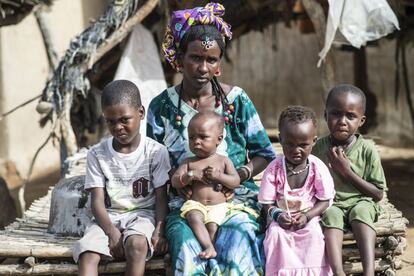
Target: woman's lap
(239, 249)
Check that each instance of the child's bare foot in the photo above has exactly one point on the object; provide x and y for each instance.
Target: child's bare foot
(208, 253)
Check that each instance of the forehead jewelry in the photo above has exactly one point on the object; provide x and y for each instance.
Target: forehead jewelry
(207, 43)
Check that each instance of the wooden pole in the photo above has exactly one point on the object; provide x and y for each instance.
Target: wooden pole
(317, 16)
(68, 134)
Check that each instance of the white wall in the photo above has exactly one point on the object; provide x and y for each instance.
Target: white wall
(23, 73)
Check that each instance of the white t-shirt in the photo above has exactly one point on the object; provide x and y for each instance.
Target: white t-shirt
(130, 179)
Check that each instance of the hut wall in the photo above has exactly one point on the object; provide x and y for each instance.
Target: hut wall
(277, 67)
(23, 73)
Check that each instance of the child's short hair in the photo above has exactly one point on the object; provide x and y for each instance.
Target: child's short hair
(346, 88)
(121, 92)
(209, 114)
(297, 114)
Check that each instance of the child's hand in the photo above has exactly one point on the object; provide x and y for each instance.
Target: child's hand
(211, 174)
(299, 221)
(338, 160)
(284, 220)
(196, 175)
(116, 247)
(160, 244)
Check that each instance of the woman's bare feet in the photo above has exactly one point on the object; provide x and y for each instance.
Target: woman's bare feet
(208, 253)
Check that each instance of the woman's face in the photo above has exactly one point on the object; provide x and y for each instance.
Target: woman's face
(199, 64)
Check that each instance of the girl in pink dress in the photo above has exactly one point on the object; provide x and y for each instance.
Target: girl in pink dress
(296, 189)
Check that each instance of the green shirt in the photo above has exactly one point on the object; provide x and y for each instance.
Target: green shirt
(365, 162)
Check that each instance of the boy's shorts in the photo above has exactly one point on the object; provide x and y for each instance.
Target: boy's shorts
(341, 217)
(212, 213)
(95, 239)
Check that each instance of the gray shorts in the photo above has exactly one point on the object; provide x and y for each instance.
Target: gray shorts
(95, 240)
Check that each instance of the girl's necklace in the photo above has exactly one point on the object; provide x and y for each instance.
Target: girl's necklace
(299, 171)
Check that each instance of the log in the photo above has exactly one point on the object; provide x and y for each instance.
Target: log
(380, 266)
(65, 268)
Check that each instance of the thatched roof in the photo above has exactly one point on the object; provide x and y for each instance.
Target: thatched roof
(13, 11)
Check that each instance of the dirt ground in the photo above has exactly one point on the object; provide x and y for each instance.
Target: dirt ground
(399, 170)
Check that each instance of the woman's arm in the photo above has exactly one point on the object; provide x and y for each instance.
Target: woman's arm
(102, 218)
(256, 165)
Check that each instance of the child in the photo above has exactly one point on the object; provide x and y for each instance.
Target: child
(207, 172)
(358, 175)
(126, 175)
(296, 189)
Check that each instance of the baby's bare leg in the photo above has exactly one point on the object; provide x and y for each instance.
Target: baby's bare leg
(195, 220)
(212, 231)
(365, 237)
(88, 263)
(333, 244)
(136, 249)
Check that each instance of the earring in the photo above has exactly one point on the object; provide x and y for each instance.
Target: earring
(179, 68)
(218, 72)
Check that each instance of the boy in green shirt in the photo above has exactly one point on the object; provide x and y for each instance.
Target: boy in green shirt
(358, 176)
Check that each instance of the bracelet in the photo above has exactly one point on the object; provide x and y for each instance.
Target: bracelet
(308, 218)
(275, 213)
(249, 171)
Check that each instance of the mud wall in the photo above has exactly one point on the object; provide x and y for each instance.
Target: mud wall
(277, 67)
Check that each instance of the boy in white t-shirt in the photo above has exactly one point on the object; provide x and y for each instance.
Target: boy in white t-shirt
(126, 175)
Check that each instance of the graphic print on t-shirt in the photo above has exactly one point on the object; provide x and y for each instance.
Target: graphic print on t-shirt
(140, 187)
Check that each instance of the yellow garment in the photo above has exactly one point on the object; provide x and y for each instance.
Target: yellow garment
(212, 213)
(215, 213)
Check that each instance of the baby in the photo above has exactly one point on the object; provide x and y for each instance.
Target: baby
(207, 172)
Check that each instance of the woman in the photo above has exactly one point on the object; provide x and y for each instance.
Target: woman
(194, 45)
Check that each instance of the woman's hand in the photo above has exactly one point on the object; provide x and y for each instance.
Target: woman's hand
(115, 243)
(339, 161)
(185, 192)
(284, 220)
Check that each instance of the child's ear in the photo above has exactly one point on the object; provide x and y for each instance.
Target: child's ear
(141, 112)
(362, 121)
(219, 139)
(315, 139)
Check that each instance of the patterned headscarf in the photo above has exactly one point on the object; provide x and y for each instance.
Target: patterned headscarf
(183, 20)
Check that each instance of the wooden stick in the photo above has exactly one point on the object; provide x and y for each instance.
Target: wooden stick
(123, 31)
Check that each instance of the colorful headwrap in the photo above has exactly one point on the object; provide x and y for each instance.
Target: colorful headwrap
(182, 20)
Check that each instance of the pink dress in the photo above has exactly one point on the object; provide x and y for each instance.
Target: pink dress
(300, 252)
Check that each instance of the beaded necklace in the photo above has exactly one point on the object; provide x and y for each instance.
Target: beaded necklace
(299, 171)
(220, 98)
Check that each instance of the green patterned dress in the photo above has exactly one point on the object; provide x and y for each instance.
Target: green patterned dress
(238, 247)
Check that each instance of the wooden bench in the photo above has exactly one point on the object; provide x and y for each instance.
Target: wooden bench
(42, 253)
